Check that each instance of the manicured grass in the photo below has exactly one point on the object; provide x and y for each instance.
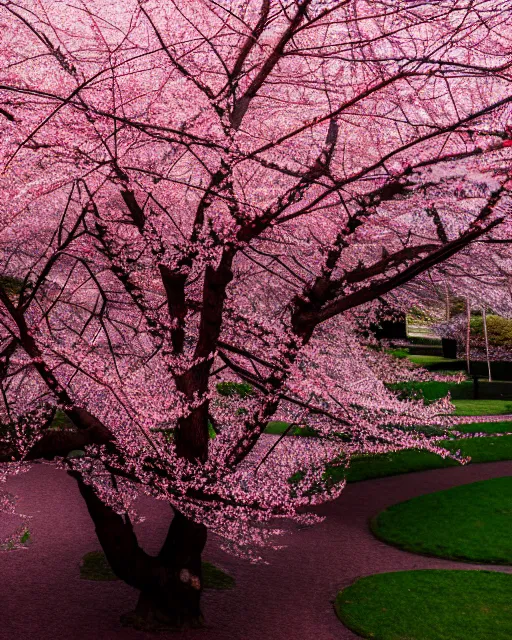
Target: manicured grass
(482, 407)
(433, 390)
(435, 360)
(484, 427)
(494, 398)
(429, 605)
(485, 449)
(94, 566)
(367, 467)
(495, 390)
(470, 522)
(500, 370)
(398, 353)
(278, 428)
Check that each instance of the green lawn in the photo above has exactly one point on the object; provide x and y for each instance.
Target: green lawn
(500, 370)
(429, 605)
(279, 427)
(480, 449)
(484, 449)
(433, 390)
(469, 522)
(484, 427)
(494, 398)
(425, 361)
(482, 407)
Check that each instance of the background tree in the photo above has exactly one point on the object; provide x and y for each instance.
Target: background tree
(201, 191)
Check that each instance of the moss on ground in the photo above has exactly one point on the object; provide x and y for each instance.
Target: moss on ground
(94, 566)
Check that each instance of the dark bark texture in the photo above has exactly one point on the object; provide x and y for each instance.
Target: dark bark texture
(170, 584)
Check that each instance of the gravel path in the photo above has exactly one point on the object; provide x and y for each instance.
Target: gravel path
(43, 597)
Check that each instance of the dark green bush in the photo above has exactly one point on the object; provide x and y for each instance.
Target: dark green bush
(435, 342)
(11, 285)
(241, 389)
(418, 315)
(61, 421)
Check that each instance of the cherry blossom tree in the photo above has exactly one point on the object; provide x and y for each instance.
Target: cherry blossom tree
(478, 278)
(208, 192)
(481, 272)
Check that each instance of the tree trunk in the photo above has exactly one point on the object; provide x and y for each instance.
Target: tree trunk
(170, 584)
(176, 602)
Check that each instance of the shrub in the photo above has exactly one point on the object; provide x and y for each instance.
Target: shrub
(424, 341)
(499, 329)
(242, 389)
(418, 315)
(11, 285)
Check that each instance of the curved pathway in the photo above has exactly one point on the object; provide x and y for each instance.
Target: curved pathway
(43, 597)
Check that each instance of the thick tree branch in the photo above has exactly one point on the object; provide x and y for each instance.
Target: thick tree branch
(306, 320)
(251, 40)
(242, 103)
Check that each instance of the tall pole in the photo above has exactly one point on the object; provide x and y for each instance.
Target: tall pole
(484, 317)
(447, 301)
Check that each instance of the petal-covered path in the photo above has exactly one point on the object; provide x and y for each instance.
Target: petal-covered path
(501, 417)
(44, 598)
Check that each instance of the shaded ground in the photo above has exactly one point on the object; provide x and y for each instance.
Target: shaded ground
(43, 597)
